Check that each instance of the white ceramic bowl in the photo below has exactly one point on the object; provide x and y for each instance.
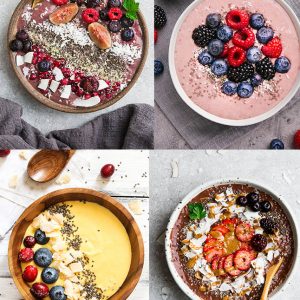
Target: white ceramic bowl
(184, 287)
(203, 112)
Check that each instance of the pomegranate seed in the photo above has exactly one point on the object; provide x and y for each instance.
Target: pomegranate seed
(44, 92)
(95, 94)
(74, 88)
(77, 79)
(87, 96)
(62, 62)
(33, 76)
(108, 96)
(64, 81)
(35, 60)
(107, 170)
(66, 72)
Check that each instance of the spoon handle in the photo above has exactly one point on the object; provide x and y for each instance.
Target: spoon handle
(269, 277)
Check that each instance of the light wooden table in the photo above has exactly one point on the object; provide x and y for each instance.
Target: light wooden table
(130, 182)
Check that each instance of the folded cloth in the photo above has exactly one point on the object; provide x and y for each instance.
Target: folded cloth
(130, 127)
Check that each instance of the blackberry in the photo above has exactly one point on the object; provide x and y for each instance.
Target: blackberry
(259, 242)
(202, 35)
(160, 18)
(92, 3)
(241, 73)
(268, 225)
(265, 69)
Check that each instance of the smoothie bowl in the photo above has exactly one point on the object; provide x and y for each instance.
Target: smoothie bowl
(76, 244)
(236, 62)
(78, 56)
(223, 238)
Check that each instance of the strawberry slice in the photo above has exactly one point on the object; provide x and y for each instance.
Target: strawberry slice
(242, 260)
(210, 244)
(220, 228)
(244, 232)
(221, 263)
(215, 263)
(229, 266)
(273, 48)
(212, 253)
(232, 221)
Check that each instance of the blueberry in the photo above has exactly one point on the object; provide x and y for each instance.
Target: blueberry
(277, 144)
(16, 45)
(127, 34)
(104, 14)
(22, 35)
(114, 3)
(245, 89)
(27, 46)
(264, 34)
(219, 67)
(265, 206)
(43, 257)
(256, 80)
(229, 88)
(215, 47)
(205, 58)
(257, 21)
(242, 201)
(282, 64)
(254, 55)
(44, 66)
(114, 26)
(40, 237)
(213, 20)
(255, 206)
(126, 22)
(158, 67)
(57, 293)
(50, 275)
(224, 33)
(253, 198)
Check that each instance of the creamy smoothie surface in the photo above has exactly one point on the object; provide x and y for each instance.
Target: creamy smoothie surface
(204, 89)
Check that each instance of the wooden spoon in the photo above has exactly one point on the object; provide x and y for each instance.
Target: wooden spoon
(47, 164)
(269, 277)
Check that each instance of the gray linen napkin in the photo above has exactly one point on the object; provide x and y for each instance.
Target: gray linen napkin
(130, 127)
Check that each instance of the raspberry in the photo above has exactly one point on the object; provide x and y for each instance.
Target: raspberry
(115, 14)
(236, 56)
(90, 15)
(155, 36)
(244, 38)
(26, 255)
(225, 51)
(60, 2)
(237, 19)
(273, 48)
(297, 140)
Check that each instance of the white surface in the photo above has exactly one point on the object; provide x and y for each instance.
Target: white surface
(47, 119)
(129, 182)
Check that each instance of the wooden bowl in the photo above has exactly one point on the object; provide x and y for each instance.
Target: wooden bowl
(12, 30)
(105, 200)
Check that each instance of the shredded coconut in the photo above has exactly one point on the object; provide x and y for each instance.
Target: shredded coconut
(27, 14)
(128, 52)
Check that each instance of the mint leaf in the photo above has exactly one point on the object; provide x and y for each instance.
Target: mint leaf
(196, 211)
(132, 8)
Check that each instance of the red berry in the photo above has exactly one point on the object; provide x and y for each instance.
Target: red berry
(236, 56)
(155, 36)
(30, 273)
(26, 255)
(107, 171)
(35, 60)
(60, 2)
(115, 13)
(244, 38)
(87, 96)
(273, 48)
(297, 140)
(90, 15)
(229, 266)
(39, 290)
(64, 81)
(4, 153)
(79, 92)
(33, 76)
(244, 232)
(237, 19)
(66, 72)
(29, 242)
(242, 260)
(225, 51)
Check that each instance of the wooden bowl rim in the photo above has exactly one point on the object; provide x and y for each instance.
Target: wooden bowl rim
(106, 198)
(74, 109)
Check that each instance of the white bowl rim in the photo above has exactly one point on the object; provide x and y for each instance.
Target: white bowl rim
(183, 286)
(204, 113)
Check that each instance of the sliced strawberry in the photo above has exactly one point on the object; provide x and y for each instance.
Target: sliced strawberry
(273, 48)
(221, 228)
(245, 246)
(229, 266)
(244, 232)
(213, 243)
(212, 253)
(242, 260)
(221, 263)
(215, 263)
(232, 221)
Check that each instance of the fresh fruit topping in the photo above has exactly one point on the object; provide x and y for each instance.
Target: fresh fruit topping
(196, 211)
(160, 17)
(236, 56)
(155, 36)
(242, 201)
(205, 58)
(60, 2)
(225, 51)
(268, 225)
(114, 26)
(26, 255)
(264, 34)
(244, 38)
(114, 3)
(273, 48)
(213, 20)
(255, 206)
(29, 242)
(127, 34)
(266, 69)
(259, 242)
(43, 257)
(212, 243)
(89, 84)
(245, 90)
(265, 206)
(229, 266)
(30, 273)
(244, 232)
(219, 67)
(282, 64)
(224, 33)
(158, 67)
(297, 139)
(221, 228)
(92, 3)
(241, 73)
(27, 46)
(57, 293)
(126, 22)
(4, 153)
(100, 35)
(16, 45)
(221, 263)
(215, 263)
(237, 19)
(257, 21)
(202, 35)
(44, 66)
(213, 253)
(215, 47)
(256, 80)
(41, 238)
(64, 14)
(50, 275)
(107, 170)
(253, 198)
(22, 35)
(231, 221)
(242, 260)
(39, 290)
(229, 88)
(104, 14)
(254, 55)
(115, 13)
(90, 15)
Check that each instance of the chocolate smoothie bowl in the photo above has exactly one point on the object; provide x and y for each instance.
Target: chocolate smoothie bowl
(223, 238)
(78, 55)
